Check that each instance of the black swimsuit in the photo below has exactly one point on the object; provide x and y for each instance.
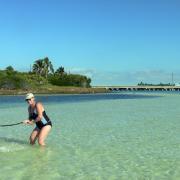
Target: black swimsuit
(43, 122)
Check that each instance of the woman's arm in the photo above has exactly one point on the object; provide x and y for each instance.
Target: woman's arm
(28, 120)
(40, 109)
(29, 113)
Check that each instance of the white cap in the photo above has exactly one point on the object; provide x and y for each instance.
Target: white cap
(29, 96)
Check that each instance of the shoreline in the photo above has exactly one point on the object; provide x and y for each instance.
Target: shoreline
(54, 90)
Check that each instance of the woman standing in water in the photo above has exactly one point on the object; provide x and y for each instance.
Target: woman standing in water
(38, 116)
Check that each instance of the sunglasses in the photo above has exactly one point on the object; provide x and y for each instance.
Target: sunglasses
(28, 100)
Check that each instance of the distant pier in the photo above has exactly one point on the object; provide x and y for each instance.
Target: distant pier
(140, 88)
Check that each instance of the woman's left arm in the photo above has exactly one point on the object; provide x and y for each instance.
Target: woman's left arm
(40, 109)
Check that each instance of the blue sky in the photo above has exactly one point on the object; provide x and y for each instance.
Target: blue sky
(113, 42)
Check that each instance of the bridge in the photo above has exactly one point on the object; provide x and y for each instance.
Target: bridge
(140, 88)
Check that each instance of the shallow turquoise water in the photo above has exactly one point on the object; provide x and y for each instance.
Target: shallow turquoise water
(95, 138)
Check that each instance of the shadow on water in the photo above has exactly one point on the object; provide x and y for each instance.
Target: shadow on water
(12, 140)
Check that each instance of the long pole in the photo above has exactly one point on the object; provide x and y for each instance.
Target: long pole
(172, 78)
(4, 125)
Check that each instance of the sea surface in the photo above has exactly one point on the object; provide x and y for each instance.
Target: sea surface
(123, 136)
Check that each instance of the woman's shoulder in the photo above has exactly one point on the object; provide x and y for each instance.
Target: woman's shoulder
(39, 105)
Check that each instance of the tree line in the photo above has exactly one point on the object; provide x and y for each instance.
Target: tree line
(42, 73)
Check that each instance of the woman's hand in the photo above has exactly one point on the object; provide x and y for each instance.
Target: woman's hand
(28, 122)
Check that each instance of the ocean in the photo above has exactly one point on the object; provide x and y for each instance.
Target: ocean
(125, 135)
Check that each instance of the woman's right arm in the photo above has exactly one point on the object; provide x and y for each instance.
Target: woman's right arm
(28, 121)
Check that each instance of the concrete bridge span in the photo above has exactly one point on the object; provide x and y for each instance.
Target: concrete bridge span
(140, 88)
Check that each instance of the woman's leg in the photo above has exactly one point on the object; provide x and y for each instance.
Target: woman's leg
(43, 134)
(34, 135)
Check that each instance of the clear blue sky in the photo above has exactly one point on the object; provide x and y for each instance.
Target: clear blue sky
(111, 41)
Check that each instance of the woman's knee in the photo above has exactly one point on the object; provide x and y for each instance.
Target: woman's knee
(41, 142)
(33, 136)
(31, 141)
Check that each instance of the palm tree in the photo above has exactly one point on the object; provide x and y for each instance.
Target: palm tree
(42, 67)
(60, 71)
(48, 67)
(38, 67)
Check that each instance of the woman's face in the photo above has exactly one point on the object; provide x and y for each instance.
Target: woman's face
(30, 101)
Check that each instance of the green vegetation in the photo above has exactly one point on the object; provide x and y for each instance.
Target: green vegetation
(69, 80)
(43, 78)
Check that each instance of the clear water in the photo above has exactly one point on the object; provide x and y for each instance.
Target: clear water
(115, 136)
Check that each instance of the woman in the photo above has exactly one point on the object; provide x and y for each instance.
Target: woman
(38, 116)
